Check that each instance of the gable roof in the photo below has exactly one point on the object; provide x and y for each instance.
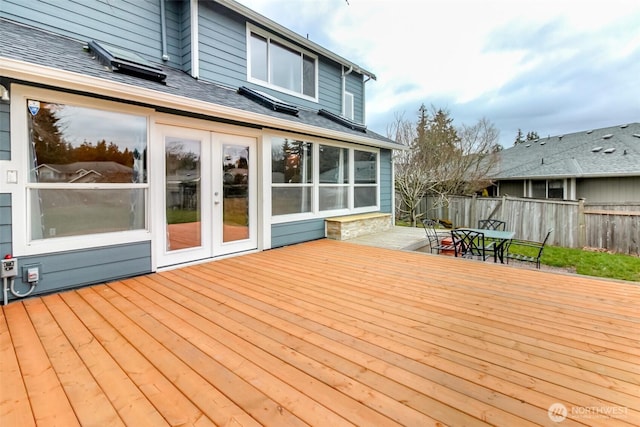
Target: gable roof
(32, 55)
(574, 155)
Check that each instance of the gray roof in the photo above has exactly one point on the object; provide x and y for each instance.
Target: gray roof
(575, 155)
(33, 45)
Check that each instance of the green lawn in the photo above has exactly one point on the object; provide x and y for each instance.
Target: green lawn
(589, 263)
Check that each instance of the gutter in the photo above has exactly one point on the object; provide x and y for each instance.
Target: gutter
(61, 79)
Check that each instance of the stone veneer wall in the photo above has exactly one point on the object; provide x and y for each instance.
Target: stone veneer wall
(349, 227)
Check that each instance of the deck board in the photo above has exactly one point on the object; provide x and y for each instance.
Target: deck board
(326, 333)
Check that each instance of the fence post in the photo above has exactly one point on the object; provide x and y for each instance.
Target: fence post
(582, 226)
(472, 214)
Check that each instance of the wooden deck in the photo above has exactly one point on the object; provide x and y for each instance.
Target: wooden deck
(326, 333)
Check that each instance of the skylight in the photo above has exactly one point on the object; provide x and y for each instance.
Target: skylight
(607, 136)
(342, 120)
(596, 149)
(268, 101)
(126, 62)
(609, 150)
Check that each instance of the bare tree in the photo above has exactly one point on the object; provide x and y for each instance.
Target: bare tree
(442, 160)
(412, 181)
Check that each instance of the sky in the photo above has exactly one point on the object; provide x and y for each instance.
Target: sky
(553, 67)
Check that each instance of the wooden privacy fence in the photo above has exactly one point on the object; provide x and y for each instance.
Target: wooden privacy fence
(576, 224)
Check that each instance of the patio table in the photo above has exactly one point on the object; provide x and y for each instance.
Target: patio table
(499, 237)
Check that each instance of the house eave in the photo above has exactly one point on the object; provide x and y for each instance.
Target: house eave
(55, 77)
(582, 175)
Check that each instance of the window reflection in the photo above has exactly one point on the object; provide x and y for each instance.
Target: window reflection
(291, 162)
(73, 144)
(70, 146)
(292, 174)
(182, 177)
(366, 167)
(235, 206)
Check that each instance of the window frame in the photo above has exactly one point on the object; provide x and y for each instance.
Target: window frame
(316, 185)
(349, 113)
(547, 188)
(20, 140)
(251, 29)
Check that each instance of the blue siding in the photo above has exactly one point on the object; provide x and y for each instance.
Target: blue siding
(330, 86)
(174, 11)
(354, 84)
(71, 269)
(297, 232)
(130, 24)
(5, 140)
(185, 40)
(222, 38)
(5, 225)
(223, 59)
(386, 181)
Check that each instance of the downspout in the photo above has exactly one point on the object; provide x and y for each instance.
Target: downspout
(163, 26)
(195, 54)
(344, 87)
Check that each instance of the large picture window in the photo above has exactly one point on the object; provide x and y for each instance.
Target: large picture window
(279, 65)
(87, 170)
(366, 179)
(346, 179)
(291, 176)
(334, 178)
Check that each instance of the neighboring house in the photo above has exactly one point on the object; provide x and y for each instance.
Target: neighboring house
(218, 132)
(82, 172)
(599, 165)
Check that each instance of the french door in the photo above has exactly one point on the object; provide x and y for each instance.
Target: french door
(209, 203)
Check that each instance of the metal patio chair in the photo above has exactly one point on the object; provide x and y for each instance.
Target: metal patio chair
(435, 242)
(535, 248)
(471, 244)
(492, 224)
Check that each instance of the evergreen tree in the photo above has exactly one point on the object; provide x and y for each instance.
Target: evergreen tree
(519, 137)
(532, 136)
(47, 137)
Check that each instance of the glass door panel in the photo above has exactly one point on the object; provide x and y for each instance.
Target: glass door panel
(235, 190)
(183, 193)
(209, 193)
(235, 186)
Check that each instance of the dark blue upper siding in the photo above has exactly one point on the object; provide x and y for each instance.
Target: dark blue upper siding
(136, 26)
(131, 24)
